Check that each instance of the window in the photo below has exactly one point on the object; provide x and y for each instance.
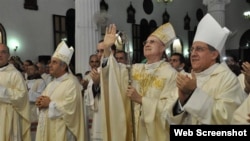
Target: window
(2, 35)
(31, 4)
(137, 44)
(59, 29)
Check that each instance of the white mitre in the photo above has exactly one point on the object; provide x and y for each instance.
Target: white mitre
(63, 52)
(210, 32)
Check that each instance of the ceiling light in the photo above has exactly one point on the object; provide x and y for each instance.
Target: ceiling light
(247, 15)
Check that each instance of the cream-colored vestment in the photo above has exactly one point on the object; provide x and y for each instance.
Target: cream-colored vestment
(47, 78)
(154, 82)
(63, 120)
(241, 78)
(217, 96)
(240, 116)
(14, 106)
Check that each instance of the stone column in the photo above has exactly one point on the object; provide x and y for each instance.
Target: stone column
(87, 34)
(217, 9)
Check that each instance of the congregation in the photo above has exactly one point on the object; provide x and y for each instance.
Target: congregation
(117, 100)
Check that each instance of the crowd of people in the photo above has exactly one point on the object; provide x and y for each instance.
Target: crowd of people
(119, 101)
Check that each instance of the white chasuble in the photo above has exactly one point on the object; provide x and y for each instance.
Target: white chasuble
(14, 106)
(154, 82)
(63, 120)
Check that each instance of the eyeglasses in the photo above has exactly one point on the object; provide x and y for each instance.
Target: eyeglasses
(150, 42)
(197, 49)
(99, 50)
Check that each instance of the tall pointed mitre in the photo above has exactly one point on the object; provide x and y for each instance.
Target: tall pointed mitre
(63, 52)
(210, 31)
(165, 33)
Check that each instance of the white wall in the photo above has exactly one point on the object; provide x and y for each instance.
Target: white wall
(32, 29)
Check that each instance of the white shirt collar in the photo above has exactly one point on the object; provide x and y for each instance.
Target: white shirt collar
(61, 77)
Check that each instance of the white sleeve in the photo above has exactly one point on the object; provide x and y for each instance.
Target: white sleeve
(53, 111)
(33, 96)
(88, 94)
(195, 104)
(4, 97)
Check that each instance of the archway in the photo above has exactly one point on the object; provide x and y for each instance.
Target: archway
(244, 49)
(2, 35)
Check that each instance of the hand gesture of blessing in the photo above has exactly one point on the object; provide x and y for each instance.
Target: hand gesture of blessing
(109, 38)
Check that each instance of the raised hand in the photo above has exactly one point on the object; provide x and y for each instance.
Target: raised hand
(110, 36)
(95, 75)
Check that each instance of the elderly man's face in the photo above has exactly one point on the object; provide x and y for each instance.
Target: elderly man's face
(201, 57)
(94, 62)
(56, 68)
(153, 47)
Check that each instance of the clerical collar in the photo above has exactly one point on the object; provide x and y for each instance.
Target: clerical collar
(4, 65)
(208, 71)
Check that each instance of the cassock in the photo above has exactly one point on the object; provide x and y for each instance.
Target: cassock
(63, 120)
(154, 83)
(14, 106)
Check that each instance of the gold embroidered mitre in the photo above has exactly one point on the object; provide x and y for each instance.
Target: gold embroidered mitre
(165, 33)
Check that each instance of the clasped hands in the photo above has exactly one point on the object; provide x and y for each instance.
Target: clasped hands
(43, 102)
(186, 86)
